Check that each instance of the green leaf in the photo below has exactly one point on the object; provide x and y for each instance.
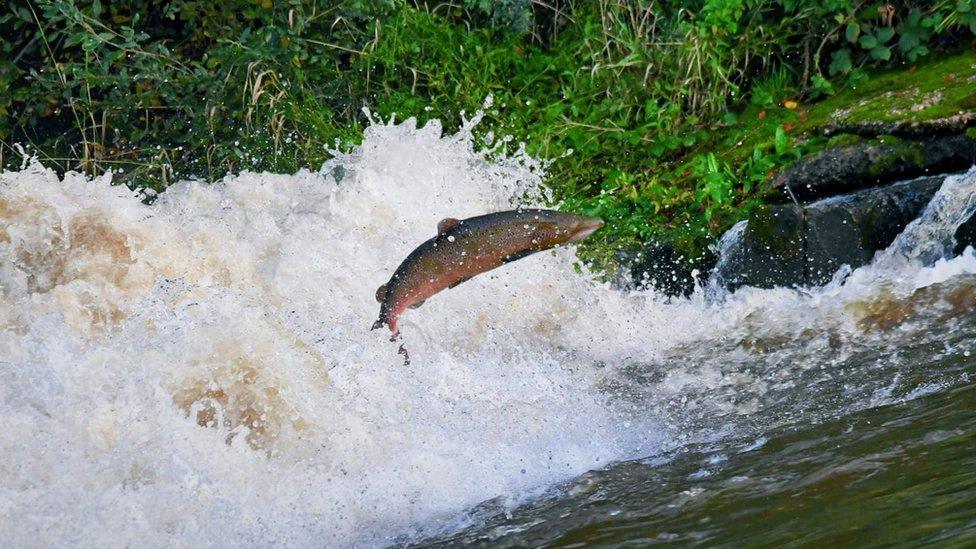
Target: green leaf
(916, 52)
(781, 141)
(852, 32)
(885, 34)
(840, 62)
(822, 86)
(856, 78)
(882, 53)
(868, 42)
(907, 41)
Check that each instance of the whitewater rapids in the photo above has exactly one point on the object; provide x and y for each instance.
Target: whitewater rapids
(201, 370)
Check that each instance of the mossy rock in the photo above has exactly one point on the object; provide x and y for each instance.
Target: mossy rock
(793, 246)
(767, 251)
(851, 229)
(872, 163)
(937, 89)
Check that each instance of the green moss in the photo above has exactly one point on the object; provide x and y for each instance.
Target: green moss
(902, 153)
(968, 102)
(933, 90)
(842, 140)
(936, 89)
(776, 229)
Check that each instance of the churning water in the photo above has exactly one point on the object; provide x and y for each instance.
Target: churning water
(201, 370)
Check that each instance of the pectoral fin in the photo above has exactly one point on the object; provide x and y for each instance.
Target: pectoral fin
(381, 293)
(459, 281)
(417, 304)
(518, 255)
(447, 224)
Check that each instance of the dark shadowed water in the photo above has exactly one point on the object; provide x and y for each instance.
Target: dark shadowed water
(897, 473)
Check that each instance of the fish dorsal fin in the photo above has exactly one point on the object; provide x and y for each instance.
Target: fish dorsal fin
(381, 293)
(447, 224)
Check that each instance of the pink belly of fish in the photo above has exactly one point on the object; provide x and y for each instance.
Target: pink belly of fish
(430, 287)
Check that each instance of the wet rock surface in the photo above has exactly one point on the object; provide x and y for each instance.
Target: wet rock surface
(965, 235)
(871, 164)
(767, 251)
(805, 245)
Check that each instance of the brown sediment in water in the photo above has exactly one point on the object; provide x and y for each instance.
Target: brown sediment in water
(883, 312)
(84, 252)
(95, 266)
(942, 301)
(244, 386)
(235, 388)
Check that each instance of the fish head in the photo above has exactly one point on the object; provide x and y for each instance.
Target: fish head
(553, 228)
(583, 227)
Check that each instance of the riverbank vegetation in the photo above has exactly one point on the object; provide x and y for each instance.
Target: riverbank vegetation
(664, 117)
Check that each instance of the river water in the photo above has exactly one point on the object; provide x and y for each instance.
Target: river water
(201, 371)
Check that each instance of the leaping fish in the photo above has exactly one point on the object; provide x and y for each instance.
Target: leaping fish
(464, 248)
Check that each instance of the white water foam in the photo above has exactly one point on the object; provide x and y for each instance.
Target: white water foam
(201, 371)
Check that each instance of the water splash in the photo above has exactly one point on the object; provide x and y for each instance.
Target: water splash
(203, 368)
(931, 237)
(204, 365)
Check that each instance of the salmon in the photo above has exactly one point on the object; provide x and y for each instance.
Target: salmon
(464, 248)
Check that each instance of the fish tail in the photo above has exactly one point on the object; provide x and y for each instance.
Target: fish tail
(386, 321)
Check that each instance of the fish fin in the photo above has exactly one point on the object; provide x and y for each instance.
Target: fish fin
(377, 324)
(447, 224)
(381, 293)
(518, 255)
(459, 281)
(417, 304)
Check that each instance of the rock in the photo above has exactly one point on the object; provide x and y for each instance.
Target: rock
(766, 251)
(850, 229)
(965, 235)
(845, 169)
(949, 125)
(789, 245)
(658, 265)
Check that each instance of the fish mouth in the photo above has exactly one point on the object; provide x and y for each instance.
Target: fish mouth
(586, 228)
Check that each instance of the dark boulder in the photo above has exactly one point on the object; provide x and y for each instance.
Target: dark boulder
(850, 229)
(965, 235)
(766, 251)
(845, 169)
(789, 245)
